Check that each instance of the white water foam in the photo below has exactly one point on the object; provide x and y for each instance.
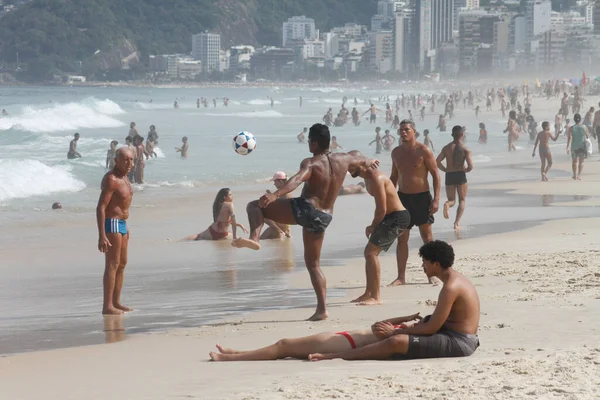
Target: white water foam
(480, 158)
(261, 102)
(90, 113)
(27, 178)
(249, 114)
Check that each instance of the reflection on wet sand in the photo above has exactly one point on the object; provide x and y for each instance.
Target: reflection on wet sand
(113, 328)
(284, 257)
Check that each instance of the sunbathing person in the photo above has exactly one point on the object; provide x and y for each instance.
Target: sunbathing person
(451, 331)
(223, 216)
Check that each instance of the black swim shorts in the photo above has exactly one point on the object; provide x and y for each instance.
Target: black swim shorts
(456, 178)
(392, 226)
(443, 343)
(418, 205)
(307, 216)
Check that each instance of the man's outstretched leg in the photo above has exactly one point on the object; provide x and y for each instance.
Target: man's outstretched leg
(312, 258)
(279, 211)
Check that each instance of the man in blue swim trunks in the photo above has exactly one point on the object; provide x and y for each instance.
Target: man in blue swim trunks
(113, 236)
(322, 175)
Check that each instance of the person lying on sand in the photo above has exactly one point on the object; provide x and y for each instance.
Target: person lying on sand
(451, 331)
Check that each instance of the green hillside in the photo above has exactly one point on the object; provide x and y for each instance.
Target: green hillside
(51, 36)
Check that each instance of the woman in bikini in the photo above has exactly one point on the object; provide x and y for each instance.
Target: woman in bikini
(513, 130)
(223, 216)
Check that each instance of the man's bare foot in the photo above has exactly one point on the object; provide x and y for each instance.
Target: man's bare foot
(225, 350)
(398, 282)
(122, 307)
(319, 316)
(219, 357)
(446, 210)
(456, 226)
(247, 243)
(362, 297)
(319, 357)
(111, 311)
(574, 177)
(370, 302)
(579, 178)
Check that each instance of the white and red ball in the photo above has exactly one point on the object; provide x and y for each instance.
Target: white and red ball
(244, 143)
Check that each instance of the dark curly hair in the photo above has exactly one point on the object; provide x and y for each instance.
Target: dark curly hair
(438, 251)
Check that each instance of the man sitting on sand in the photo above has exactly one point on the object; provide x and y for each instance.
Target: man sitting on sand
(322, 175)
(451, 331)
(390, 220)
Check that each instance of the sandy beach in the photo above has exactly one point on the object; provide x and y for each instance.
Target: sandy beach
(530, 247)
(539, 290)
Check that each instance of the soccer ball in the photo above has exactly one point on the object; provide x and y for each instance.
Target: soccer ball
(244, 143)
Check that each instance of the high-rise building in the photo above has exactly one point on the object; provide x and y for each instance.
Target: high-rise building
(206, 47)
(463, 5)
(596, 17)
(298, 29)
(432, 26)
(476, 40)
(403, 42)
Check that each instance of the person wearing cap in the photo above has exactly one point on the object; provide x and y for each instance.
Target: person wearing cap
(72, 154)
(276, 230)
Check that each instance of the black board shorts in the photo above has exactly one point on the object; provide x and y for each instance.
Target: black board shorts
(308, 217)
(456, 178)
(417, 205)
(443, 343)
(388, 230)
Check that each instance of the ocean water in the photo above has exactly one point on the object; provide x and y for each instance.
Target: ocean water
(188, 286)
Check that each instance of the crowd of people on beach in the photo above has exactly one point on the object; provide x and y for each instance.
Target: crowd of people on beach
(402, 200)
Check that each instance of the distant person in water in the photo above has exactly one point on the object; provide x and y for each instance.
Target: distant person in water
(4, 112)
(482, 133)
(111, 154)
(140, 164)
(322, 175)
(456, 156)
(450, 331)
(223, 216)
(335, 146)
(426, 140)
(302, 136)
(184, 147)
(175, 104)
(389, 221)
(152, 141)
(57, 206)
(132, 131)
(129, 144)
(543, 140)
(276, 230)
(72, 154)
(113, 236)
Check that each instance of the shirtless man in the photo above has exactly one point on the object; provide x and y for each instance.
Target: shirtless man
(389, 221)
(184, 147)
(113, 236)
(72, 154)
(275, 230)
(456, 155)
(451, 331)
(543, 139)
(322, 175)
(373, 116)
(378, 141)
(411, 163)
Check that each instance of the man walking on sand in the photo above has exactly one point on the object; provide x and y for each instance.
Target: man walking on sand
(543, 139)
(389, 221)
(113, 236)
(322, 175)
(456, 155)
(411, 163)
